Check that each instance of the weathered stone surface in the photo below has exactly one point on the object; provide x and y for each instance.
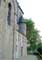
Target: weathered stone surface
(9, 37)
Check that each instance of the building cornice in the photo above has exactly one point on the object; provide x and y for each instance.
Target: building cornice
(19, 7)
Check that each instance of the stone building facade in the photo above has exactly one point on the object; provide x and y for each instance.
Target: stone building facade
(12, 40)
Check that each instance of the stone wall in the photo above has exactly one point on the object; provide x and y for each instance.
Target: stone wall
(9, 37)
(6, 32)
(20, 41)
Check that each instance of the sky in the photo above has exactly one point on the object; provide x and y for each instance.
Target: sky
(33, 9)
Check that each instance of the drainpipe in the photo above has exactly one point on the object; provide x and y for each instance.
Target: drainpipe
(14, 29)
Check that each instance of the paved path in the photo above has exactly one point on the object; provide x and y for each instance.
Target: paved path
(29, 57)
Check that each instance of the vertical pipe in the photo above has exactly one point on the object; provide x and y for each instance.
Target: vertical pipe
(13, 30)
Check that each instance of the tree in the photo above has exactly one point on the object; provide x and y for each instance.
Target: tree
(39, 48)
(31, 33)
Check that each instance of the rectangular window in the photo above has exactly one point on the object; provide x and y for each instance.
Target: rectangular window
(21, 51)
(16, 48)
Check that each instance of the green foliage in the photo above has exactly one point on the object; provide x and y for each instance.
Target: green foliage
(32, 33)
(39, 45)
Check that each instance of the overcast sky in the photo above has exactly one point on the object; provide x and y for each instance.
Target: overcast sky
(33, 9)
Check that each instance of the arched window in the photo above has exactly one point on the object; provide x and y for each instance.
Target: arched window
(9, 13)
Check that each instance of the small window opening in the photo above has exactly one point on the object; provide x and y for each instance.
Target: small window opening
(21, 51)
(9, 14)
